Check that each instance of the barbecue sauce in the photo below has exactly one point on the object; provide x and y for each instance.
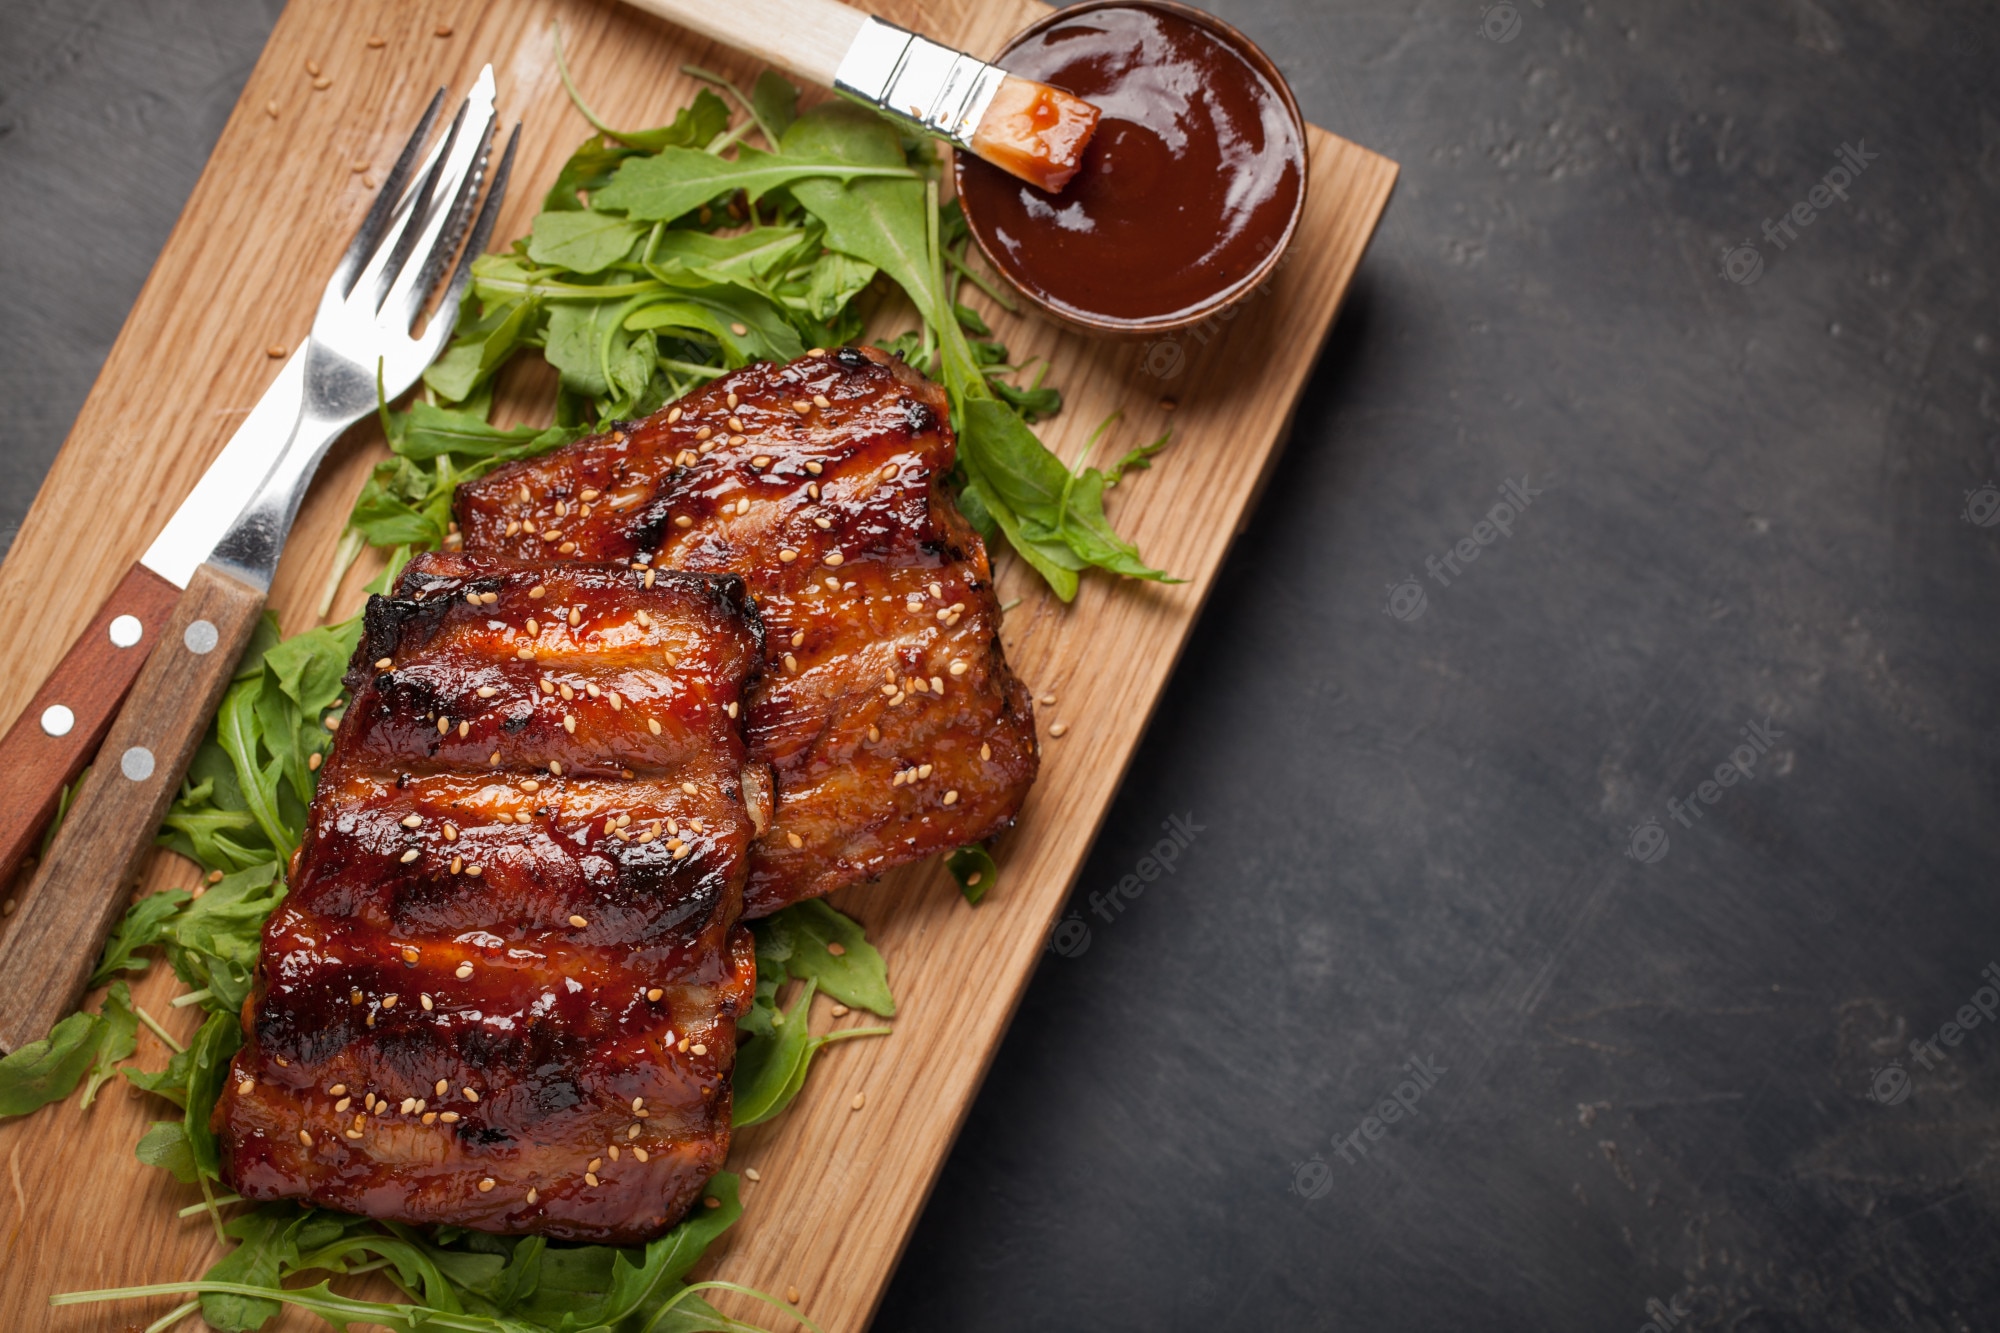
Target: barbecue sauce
(1190, 183)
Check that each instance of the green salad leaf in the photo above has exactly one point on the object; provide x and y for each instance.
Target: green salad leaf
(80, 1046)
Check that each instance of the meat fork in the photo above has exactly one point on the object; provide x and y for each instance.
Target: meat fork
(361, 344)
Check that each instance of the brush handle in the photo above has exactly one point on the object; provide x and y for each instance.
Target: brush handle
(805, 38)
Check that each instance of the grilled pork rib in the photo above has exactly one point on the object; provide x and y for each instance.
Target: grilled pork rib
(886, 708)
(502, 990)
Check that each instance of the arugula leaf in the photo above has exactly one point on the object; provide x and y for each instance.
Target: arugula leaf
(676, 181)
(212, 941)
(165, 1145)
(142, 925)
(972, 866)
(117, 1038)
(770, 1070)
(583, 242)
(208, 1067)
(775, 101)
(48, 1070)
(802, 938)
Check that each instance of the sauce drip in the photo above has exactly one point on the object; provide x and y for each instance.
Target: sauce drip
(1189, 184)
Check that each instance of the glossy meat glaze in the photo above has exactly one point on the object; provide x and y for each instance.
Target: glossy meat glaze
(886, 707)
(502, 991)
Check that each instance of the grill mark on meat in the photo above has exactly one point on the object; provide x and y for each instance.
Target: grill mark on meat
(685, 494)
(392, 969)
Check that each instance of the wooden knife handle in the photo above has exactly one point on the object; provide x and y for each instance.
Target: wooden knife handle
(805, 38)
(59, 730)
(80, 888)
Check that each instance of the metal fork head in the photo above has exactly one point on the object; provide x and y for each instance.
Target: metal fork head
(425, 214)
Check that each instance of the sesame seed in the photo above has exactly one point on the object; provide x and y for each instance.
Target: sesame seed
(820, 400)
(791, 663)
(388, 1002)
(486, 691)
(923, 770)
(578, 922)
(377, 43)
(407, 1105)
(425, 1000)
(840, 1011)
(322, 83)
(673, 416)
(791, 1293)
(340, 1107)
(531, 1194)
(802, 407)
(271, 109)
(449, 1117)
(795, 840)
(613, 1150)
(475, 871)
(761, 461)
(653, 725)
(530, 785)
(711, 1202)
(569, 724)
(590, 1179)
(732, 708)
(836, 948)
(412, 821)
(985, 750)
(1059, 728)
(246, 1087)
(699, 1048)
(464, 971)
(823, 524)
(411, 855)
(470, 1095)
(951, 798)
(937, 685)
(690, 788)
(860, 1100)
(444, 725)
(305, 1138)
(410, 953)
(654, 994)
(639, 1153)
(739, 329)
(384, 663)
(787, 555)
(874, 733)
(486, 1184)
(314, 760)
(444, 30)
(834, 557)
(457, 864)
(337, 1090)
(960, 668)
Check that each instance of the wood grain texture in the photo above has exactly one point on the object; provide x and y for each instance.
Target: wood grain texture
(90, 681)
(59, 926)
(840, 1188)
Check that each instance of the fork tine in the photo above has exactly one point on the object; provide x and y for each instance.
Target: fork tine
(475, 246)
(416, 290)
(369, 235)
(420, 212)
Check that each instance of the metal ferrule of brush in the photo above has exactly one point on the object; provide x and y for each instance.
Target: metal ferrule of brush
(932, 88)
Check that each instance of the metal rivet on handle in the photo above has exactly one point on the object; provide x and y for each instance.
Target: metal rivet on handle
(126, 631)
(201, 638)
(57, 720)
(136, 763)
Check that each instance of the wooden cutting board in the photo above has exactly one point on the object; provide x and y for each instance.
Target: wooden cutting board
(840, 1188)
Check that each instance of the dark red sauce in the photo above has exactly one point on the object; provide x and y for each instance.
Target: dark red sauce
(1189, 185)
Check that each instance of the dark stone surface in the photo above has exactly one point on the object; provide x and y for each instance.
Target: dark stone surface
(1655, 1079)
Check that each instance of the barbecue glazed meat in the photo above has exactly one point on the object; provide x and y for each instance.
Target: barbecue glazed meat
(502, 990)
(886, 708)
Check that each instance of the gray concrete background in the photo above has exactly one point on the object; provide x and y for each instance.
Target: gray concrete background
(1687, 1081)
